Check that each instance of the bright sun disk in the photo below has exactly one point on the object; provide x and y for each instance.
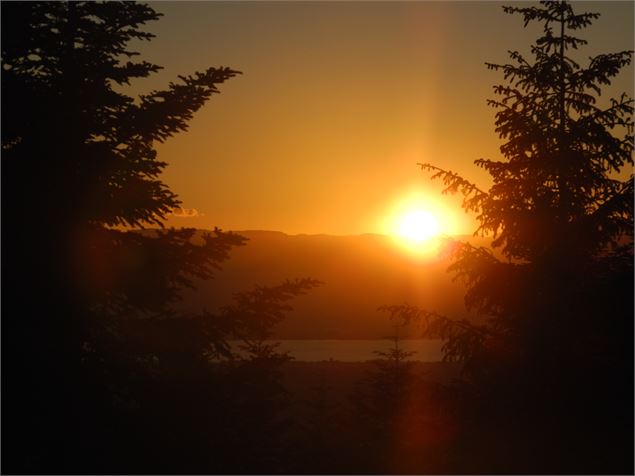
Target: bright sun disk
(418, 226)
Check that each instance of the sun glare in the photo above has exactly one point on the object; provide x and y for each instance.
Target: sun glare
(418, 226)
(419, 222)
(418, 232)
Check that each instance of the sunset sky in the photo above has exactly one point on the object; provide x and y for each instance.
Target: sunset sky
(337, 103)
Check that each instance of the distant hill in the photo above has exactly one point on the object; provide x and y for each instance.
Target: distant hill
(360, 273)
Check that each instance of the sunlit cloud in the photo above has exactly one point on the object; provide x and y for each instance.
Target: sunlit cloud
(186, 212)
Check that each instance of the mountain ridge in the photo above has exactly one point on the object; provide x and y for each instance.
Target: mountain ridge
(360, 273)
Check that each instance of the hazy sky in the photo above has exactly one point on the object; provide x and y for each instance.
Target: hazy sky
(337, 103)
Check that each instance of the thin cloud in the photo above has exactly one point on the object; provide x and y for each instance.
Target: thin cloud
(186, 212)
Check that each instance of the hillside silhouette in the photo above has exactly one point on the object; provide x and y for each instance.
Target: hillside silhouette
(359, 272)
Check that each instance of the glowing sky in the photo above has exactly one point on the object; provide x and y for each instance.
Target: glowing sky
(337, 103)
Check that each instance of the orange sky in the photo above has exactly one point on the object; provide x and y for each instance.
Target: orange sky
(336, 105)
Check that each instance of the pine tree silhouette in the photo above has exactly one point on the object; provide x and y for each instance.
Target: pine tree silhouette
(97, 360)
(549, 363)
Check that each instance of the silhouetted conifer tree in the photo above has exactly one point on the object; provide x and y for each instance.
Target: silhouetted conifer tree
(207, 411)
(259, 399)
(377, 405)
(96, 360)
(391, 378)
(556, 208)
(79, 153)
(551, 360)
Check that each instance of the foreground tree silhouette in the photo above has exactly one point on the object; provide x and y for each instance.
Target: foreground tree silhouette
(380, 401)
(88, 309)
(550, 363)
(194, 412)
(81, 153)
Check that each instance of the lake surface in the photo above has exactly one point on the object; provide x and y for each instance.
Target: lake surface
(426, 350)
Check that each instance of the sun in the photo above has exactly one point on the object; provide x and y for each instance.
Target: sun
(420, 223)
(418, 232)
(418, 226)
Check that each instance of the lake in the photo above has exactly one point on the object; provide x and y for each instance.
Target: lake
(307, 350)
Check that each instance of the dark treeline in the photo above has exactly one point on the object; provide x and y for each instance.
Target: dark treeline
(101, 373)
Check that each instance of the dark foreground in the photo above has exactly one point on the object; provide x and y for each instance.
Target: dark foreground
(258, 417)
